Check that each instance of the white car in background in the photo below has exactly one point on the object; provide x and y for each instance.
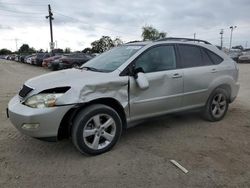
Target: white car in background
(30, 59)
(245, 57)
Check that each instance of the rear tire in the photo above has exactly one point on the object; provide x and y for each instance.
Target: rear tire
(217, 105)
(96, 129)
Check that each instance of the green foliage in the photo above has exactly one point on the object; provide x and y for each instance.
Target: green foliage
(5, 51)
(117, 41)
(67, 50)
(104, 44)
(150, 33)
(25, 49)
(87, 50)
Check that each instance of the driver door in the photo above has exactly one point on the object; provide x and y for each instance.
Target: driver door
(165, 90)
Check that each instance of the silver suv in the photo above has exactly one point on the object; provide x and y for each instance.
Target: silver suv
(135, 81)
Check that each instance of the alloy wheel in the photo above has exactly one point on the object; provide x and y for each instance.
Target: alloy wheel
(218, 105)
(99, 131)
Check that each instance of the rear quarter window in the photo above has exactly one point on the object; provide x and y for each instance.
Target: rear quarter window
(214, 57)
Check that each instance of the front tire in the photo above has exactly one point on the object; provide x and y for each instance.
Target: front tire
(217, 105)
(96, 129)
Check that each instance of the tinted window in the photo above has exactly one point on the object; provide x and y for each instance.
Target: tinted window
(215, 58)
(206, 60)
(191, 56)
(157, 59)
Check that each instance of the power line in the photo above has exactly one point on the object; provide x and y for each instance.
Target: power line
(16, 16)
(20, 12)
(23, 4)
(101, 27)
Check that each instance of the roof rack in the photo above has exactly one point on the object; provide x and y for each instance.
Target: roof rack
(182, 39)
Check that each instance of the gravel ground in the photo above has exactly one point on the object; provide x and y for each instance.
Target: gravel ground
(216, 154)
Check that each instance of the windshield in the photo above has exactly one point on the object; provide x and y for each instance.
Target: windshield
(112, 59)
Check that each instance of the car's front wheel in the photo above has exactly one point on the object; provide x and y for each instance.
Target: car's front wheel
(217, 105)
(96, 129)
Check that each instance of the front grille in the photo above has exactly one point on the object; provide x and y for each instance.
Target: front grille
(24, 91)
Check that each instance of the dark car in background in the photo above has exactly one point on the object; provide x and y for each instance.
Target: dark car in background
(70, 60)
(46, 62)
(22, 58)
(40, 57)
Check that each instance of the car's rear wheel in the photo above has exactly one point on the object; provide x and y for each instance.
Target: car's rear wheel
(96, 129)
(217, 105)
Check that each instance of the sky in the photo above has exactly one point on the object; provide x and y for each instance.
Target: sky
(77, 23)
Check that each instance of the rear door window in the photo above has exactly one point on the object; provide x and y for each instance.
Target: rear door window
(191, 56)
(206, 60)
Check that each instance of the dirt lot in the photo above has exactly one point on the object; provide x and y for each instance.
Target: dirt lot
(216, 154)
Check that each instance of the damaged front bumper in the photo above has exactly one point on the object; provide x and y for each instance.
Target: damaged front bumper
(35, 122)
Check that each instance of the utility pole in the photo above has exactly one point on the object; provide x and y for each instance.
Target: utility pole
(50, 16)
(194, 36)
(221, 38)
(231, 36)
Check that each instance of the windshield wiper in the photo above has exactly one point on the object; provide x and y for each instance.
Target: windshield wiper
(93, 69)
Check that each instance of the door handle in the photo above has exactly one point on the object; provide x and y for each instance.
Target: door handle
(176, 75)
(213, 70)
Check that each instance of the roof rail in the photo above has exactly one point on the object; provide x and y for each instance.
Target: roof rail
(182, 39)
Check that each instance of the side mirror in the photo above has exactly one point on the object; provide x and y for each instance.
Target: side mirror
(142, 80)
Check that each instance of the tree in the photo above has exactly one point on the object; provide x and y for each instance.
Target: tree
(5, 51)
(67, 50)
(117, 41)
(150, 33)
(102, 45)
(32, 50)
(24, 48)
(41, 50)
(87, 50)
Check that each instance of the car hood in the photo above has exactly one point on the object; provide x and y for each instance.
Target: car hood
(84, 85)
(69, 77)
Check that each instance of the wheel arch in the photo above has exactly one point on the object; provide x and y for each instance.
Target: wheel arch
(66, 123)
(224, 86)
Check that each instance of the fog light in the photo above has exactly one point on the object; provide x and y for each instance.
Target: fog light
(30, 126)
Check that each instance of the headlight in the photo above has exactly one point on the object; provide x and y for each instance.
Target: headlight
(43, 100)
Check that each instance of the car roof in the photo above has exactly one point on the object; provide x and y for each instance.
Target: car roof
(170, 40)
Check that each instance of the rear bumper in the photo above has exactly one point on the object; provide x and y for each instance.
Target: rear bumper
(234, 92)
(49, 119)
